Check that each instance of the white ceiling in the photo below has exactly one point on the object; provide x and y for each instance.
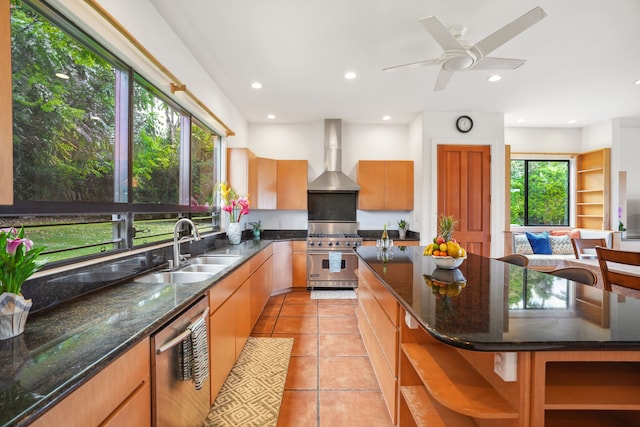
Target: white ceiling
(582, 59)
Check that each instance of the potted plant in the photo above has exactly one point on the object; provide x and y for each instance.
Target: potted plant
(18, 261)
(403, 226)
(256, 228)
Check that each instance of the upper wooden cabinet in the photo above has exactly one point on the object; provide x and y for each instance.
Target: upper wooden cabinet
(593, 170)
(385, 185)
(269, 183)
(267, 194)
(242, 172)
(292, 184)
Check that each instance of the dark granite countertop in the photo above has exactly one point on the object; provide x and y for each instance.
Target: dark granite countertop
(503, 307)
(63, 347)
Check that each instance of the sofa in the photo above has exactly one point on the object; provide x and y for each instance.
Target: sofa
(536, 245)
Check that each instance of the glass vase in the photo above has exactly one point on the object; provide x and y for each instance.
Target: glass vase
(234, 233)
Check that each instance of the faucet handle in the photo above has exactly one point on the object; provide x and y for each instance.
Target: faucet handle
(185, 256)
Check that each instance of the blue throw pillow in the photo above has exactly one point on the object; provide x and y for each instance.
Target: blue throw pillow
(540, 243)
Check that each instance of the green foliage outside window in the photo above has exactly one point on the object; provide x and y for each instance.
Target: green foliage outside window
(539, 192)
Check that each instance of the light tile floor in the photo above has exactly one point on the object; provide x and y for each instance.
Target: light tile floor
(330, 382)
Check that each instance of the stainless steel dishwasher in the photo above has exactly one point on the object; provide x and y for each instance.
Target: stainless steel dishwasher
(178, 401)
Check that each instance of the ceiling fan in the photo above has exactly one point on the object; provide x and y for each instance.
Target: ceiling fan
(459, 57)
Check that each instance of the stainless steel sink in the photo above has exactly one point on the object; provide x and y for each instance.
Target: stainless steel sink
(216, 259)
(205, 268)
(174, 277)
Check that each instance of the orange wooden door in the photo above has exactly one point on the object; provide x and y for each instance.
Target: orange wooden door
(464, 191)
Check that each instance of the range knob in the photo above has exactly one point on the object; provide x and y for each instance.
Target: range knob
(337, 243)
(319, 243)
(311, 244)
(330, 244)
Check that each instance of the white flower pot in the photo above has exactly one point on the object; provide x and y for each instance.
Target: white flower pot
(234, 233)
(14, 310)
(402, 233)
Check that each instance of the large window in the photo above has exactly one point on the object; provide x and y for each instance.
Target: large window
(103, 160)
(540, 192)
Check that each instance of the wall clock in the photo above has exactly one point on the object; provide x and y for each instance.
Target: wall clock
(464, 124)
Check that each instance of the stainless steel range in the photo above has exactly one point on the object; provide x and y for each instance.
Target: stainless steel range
(331, 260)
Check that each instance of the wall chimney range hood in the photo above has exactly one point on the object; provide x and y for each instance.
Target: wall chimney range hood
(333, 179)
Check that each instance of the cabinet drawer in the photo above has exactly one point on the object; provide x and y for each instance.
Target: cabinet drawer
(385, 333)
(222, 290)
(258, 259)
(382, 295)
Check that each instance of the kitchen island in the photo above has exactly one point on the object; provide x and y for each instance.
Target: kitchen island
(497, 344)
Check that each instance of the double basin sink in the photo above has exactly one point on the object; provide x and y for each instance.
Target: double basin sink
(200, 268)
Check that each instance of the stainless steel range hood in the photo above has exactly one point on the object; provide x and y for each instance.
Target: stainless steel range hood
(333, 179)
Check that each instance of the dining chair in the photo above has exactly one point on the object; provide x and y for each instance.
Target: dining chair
(577, 274)
(621, 271)
(516, 259)
(579, 245)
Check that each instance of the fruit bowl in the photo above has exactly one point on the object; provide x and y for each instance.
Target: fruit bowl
(448, 262)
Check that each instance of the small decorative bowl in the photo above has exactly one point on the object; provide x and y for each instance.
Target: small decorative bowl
(448, 262)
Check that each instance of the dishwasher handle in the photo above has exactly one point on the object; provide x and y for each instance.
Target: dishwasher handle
(184, 335)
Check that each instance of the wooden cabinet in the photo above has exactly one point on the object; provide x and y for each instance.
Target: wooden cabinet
(266, 196)
(299, 264)
(242, 172)
(235, 303)
(580, 388)
(292, 184)
(593, 189)
(385, 185)
(283, 260)
(378, 322)
(269, 183)
(121, 391)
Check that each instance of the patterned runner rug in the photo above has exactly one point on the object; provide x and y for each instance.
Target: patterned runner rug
(252, 393)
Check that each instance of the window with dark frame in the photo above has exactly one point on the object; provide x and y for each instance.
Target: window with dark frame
(77, 190)
(540, 192)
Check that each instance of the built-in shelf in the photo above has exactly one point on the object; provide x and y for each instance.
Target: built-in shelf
(453, 383)
(592, 188)
(426, 412)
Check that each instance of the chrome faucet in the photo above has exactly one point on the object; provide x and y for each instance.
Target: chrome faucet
(195, 236)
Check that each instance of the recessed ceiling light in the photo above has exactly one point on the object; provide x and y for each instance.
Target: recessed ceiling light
(350, 75)
(256, 85)
(572, 121)
(386, 117)
(521, 120)
(637, 82)
(494, 78)
(62, 76)
(271, 116)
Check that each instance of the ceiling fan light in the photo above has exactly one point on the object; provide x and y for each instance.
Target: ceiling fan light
(458, 63)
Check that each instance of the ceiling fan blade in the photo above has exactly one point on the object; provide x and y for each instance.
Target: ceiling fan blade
(443, 79)
(509, 31)
(489, 63)
(440, 34)
(412, 65)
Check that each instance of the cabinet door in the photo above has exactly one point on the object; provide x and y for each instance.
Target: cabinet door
(371, 178)
(299, 264)
(292, 184)
(283, 259)
(242, 167)
(398, 185)
(244, 324)
(261, 286)
(266, 196)
(222, 345)
(102, 397)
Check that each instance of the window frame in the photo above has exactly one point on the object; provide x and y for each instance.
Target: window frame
(570, 160)
(121, 209)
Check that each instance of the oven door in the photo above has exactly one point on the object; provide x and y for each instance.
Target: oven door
(331, 269)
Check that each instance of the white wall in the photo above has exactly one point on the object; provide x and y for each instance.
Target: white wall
(627, 152)
(543, 140)
(439, 128)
